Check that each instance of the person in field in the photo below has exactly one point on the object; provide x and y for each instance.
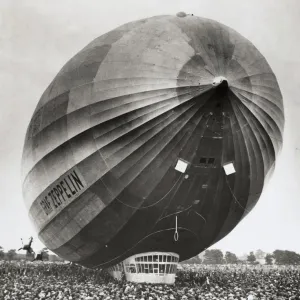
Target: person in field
(27, 247)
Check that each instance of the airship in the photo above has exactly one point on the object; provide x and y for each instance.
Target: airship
(157, 137)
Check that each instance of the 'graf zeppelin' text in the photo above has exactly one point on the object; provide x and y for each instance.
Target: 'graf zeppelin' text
(62, 192)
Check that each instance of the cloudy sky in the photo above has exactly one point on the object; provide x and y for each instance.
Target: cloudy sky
(38, 36)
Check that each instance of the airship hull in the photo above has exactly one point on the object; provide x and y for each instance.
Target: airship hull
(132, 141)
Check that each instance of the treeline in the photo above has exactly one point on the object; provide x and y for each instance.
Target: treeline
(210, 257)
(216, 257)
(13, 255)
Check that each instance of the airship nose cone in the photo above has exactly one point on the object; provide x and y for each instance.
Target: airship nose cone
(220, 80)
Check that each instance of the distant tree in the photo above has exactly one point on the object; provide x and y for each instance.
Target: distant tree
(193, 260)
(251, 258)
(53, 258)
(243, 257)
(259, 254)
(285, 257)
(269, 259)
(29, 256)
(279, 257)
(231, 258)
(2, 254)
(213, 257)
(45, 254)
(11, 254)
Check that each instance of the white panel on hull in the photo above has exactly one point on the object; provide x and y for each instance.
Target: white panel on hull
(181, 166)
(229, 168)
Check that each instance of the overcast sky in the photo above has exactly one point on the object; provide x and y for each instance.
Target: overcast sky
(38, 36)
